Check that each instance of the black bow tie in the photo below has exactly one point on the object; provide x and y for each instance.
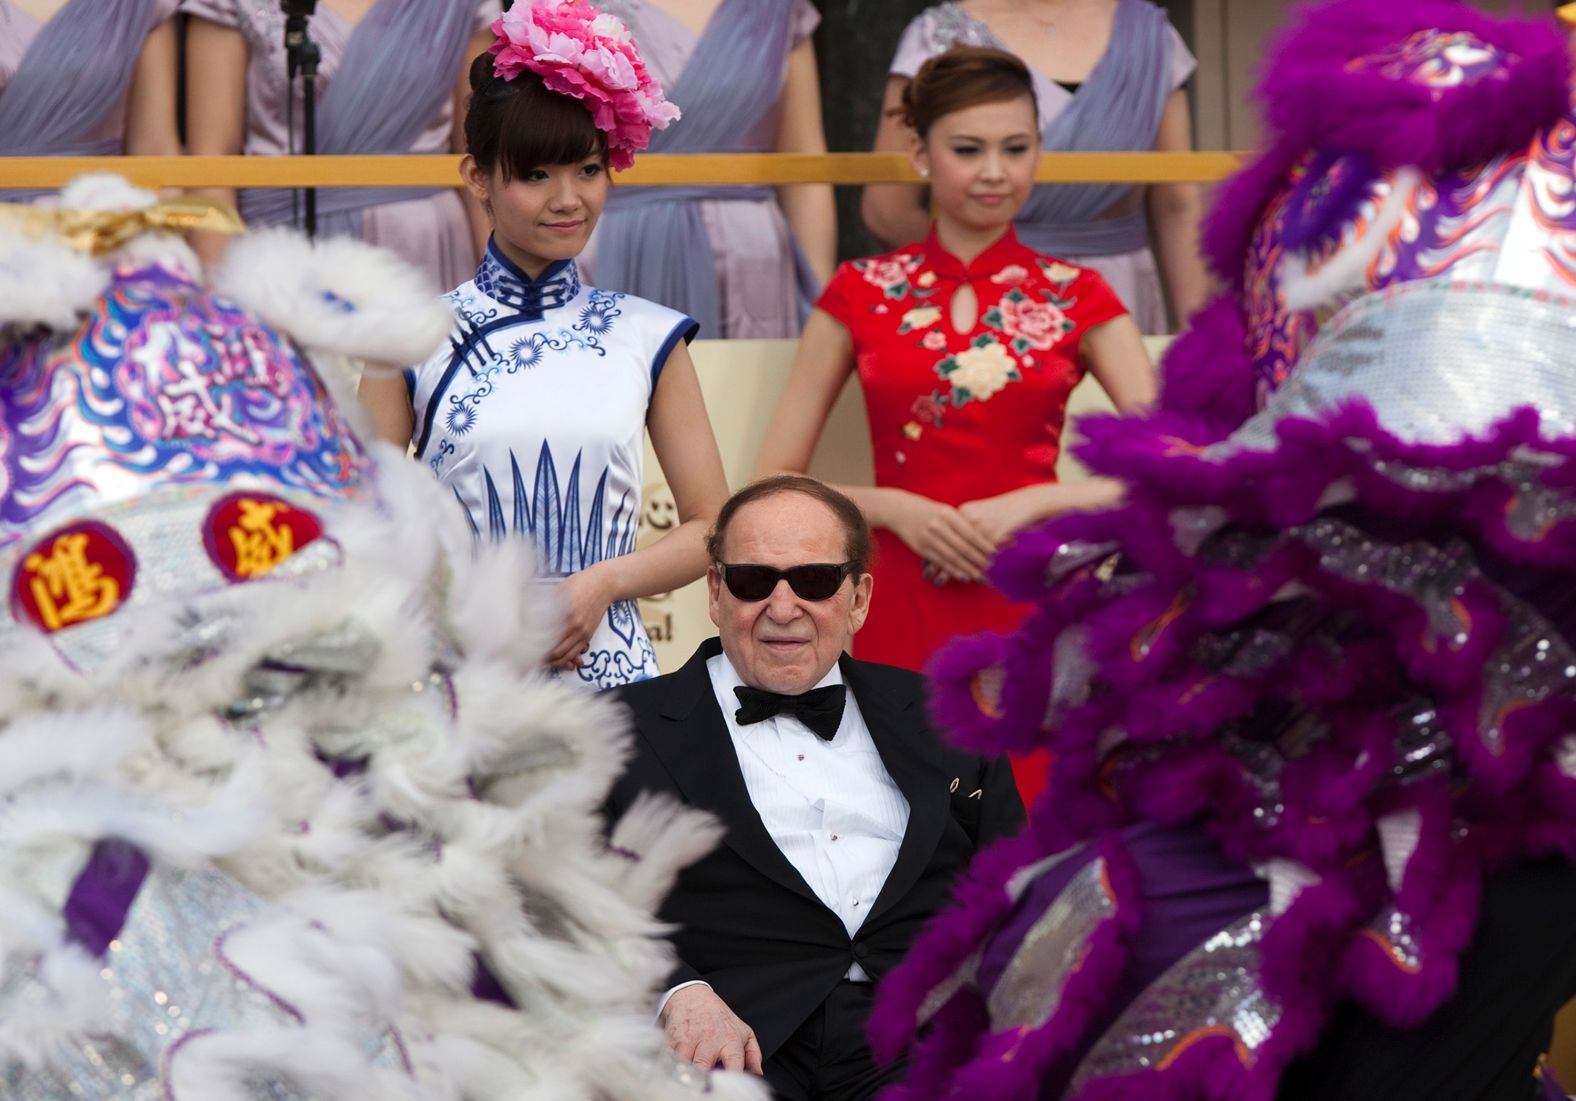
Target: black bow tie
(821, 709)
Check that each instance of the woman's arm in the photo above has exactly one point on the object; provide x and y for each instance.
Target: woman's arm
(216, 60)
(1114, 352)
(682, 438)
(475, 215)
(1175, 210)
(936, 532)
(894, 213)
(387, 400)
(151, 129)
(810, 208)
(821, 365)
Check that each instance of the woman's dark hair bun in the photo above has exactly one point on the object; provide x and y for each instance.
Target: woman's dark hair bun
(963, 77)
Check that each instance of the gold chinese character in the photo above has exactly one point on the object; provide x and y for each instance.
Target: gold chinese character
(67, 587)
(259, 543)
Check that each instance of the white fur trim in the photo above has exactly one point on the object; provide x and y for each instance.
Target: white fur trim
(338, 295)
(225, 1066)
(44, 281)
(665, 837)
(68, 743)
(105, 191)
(39, 1032)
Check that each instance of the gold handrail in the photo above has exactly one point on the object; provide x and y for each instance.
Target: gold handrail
(653, 169)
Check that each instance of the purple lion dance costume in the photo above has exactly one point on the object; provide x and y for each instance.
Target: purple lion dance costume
(1314, 682)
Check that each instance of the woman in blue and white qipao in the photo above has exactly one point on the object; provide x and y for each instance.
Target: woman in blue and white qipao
(535, 416)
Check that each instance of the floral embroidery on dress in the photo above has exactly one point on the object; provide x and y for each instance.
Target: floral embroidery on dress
(978, 372)
(934, 341)
(1012, 273)
(921, 317)
(892, 274)
(1059, 273)
(1030, 325)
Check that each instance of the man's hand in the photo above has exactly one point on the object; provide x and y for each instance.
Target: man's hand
(701, 1028)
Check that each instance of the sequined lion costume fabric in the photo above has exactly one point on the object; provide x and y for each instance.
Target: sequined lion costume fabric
(287, 810)
(1316, 678)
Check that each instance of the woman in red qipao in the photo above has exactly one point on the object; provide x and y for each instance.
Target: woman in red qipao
(967, 346)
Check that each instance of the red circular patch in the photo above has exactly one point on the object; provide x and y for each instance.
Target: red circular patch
(80, 573)
(248, 534)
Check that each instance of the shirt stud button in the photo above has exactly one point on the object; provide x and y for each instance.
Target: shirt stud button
(800, 756)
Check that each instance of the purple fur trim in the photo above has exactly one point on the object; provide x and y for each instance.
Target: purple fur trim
(1404, 995)
(1313, 102)
(1206, 372)
(948, 1044)
(1008, 1066)
(1327, 200)
(1240, 203)
(980, 902)
(1312, 99)
(1024, 687)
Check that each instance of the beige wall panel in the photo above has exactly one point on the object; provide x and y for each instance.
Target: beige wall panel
(741, 380)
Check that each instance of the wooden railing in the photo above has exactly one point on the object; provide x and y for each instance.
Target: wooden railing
(652, 169)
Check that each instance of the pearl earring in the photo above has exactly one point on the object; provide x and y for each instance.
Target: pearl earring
(925, 172)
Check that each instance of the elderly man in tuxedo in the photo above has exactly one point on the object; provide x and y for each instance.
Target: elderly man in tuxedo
(847, 820)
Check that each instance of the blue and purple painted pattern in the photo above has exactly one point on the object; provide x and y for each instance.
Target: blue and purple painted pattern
(163, 384)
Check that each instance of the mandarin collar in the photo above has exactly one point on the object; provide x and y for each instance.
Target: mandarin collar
(502, 280)
(988, 263)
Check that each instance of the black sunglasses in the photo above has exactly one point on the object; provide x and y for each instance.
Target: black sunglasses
(815, 581)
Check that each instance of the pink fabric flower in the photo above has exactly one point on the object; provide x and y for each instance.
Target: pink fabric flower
(1038, 324)
(589, 55)
(934, 341)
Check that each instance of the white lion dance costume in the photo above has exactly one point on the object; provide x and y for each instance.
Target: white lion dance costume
(286, 810)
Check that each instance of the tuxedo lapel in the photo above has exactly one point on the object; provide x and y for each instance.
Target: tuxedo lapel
(692, 741)
(901, 733)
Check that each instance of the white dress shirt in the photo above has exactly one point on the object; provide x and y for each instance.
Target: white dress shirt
(830, 806)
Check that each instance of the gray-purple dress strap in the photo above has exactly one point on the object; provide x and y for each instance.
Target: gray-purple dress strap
(1117, 109)
(723, 255)
(63, 84)
(385, 86)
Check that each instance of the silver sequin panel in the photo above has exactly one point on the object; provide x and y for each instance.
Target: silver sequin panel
(159, 987)
(1436, 363)
(1212, 991)
(1030, 989)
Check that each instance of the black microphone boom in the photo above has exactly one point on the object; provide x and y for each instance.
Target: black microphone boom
(302, 58)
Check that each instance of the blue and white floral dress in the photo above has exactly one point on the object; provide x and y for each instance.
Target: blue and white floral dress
(535, 417)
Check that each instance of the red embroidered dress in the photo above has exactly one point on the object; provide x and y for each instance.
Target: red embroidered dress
(959, 416)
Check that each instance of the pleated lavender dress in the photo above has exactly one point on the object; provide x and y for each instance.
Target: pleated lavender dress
(725, 256)
(73, 89)
(1101, 226)
(385, 86)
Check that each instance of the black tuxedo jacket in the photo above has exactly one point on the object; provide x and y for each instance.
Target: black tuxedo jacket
(747, 923)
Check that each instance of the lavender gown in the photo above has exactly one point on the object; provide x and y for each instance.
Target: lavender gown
(428, 228)
(763, 288)
(1099, 227)
(84, 135)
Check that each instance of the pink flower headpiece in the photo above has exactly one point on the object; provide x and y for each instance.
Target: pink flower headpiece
(581, 52)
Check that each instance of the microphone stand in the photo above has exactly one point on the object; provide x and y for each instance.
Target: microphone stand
(302, 58)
